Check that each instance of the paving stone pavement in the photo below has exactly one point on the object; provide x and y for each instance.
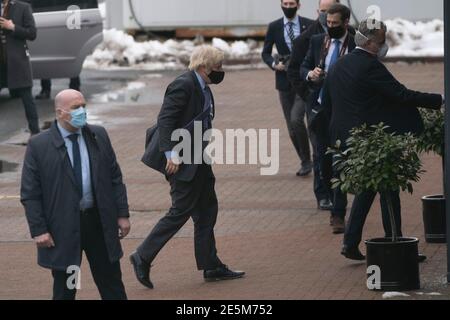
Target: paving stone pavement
(268, 226)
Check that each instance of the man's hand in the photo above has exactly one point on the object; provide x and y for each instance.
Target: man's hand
(7, 24)
(171, 167)
(279, 67)
(124, 227)
(44, 241)
(315, 75)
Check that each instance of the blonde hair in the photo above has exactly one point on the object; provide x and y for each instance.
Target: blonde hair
(206, 56)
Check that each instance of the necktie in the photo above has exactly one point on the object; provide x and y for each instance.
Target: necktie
(207, 122)
(77, 161)
(336, 53)
(291, 32)
(334, 57)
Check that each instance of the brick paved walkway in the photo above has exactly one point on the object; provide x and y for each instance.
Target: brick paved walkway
(267, 226)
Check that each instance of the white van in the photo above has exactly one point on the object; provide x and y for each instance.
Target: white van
(62, 44)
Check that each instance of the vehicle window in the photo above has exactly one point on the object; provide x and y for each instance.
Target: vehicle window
(61, 5)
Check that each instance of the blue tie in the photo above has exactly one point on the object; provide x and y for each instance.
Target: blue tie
(336, 53)
(291, 33)
(334, 57)
(208, 100)
(77, 161)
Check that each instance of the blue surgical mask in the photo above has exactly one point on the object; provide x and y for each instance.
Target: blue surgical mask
(79, 118)
(323, 18)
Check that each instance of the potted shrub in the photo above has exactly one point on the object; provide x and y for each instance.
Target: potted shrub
(433, 207)
(381, 162)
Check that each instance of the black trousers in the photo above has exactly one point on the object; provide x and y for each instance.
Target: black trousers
(361, 207)
(3, 74)
(294, 110)
(46, 84)
(322, 185)
(339, 198)
(30, 109)
(197, 200)
(107, 276)
(27, 100)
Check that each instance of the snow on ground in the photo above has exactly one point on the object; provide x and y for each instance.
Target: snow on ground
(421, 39)
(120, 50)
(393, 294)
(429, 294)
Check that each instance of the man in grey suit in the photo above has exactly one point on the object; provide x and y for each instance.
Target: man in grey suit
(192, 185)
(16, 27)
(75, 200)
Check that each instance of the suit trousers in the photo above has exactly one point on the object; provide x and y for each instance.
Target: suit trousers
(107, 276)
(197, 200)
(30, 109)
(294, 110)
(322, 185)
(339, 198)
(3, 74)
(360, 209)
(46, 84)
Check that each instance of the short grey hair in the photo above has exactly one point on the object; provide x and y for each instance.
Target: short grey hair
(368, 30)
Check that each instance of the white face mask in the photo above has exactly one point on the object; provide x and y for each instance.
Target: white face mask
(361, 40)
(383, 51)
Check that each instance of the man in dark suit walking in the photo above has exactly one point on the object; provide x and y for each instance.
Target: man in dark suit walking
(301, 46)
(360, 90)
(192, 183)
(282, 34)
(324, 51)
(75, 200)
(16, 27)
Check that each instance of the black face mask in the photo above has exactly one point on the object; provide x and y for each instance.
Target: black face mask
(290, 12)
(216, 77)
(336, 32)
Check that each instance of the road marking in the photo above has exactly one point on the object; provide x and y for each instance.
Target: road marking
(9, 197)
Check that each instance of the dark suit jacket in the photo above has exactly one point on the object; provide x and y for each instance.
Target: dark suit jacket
(299, 51)
(312, 60)
(19, 66)
(51, 197)
(275, 36)
(183, 102)
(359, 89)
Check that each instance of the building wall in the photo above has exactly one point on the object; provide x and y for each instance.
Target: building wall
(157, 14)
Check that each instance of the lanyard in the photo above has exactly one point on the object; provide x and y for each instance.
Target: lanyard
(5, 9)
(326, 48)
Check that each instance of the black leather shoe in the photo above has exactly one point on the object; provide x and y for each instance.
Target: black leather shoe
(44, 95)
(141, 270)
(222, 273)
(325, 205)
(305, 170)
(421, 258)
(338, 225)
(352, 254)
